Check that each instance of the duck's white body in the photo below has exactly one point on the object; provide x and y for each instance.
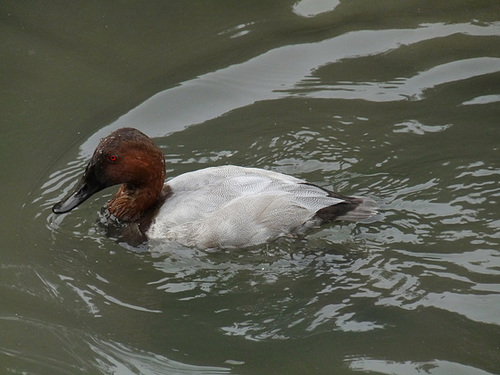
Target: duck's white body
(233, 206)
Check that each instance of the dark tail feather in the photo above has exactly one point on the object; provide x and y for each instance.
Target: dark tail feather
(353, 209)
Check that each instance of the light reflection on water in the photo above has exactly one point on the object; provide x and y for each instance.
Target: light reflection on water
(285, 72)
(409, 367)
(84, 353)
(284, 289)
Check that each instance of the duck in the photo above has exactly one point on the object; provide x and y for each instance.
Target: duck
(216, 207)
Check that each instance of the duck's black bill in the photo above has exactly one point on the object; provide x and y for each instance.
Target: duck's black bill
(85, 189)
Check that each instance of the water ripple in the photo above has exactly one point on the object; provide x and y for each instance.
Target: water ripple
(280, 72)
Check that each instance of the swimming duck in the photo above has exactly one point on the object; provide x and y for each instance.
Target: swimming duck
(224, 207)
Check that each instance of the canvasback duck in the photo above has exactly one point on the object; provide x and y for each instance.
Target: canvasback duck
(224, 207)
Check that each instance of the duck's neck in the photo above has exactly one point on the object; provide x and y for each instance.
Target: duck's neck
(131, 203)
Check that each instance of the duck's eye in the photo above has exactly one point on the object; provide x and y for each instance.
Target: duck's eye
(113, 158)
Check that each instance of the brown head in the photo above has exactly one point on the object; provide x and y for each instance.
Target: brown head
(128, 157)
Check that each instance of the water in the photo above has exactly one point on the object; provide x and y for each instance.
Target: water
(398, 101)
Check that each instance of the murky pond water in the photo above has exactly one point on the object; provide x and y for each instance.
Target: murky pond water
(399, 101)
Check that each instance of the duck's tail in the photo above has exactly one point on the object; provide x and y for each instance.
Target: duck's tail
(362, 208)
(351, 209)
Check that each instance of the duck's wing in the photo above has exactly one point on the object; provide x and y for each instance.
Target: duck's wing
(196, 194)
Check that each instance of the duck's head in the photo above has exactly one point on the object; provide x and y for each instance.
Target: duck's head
(129, 157)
